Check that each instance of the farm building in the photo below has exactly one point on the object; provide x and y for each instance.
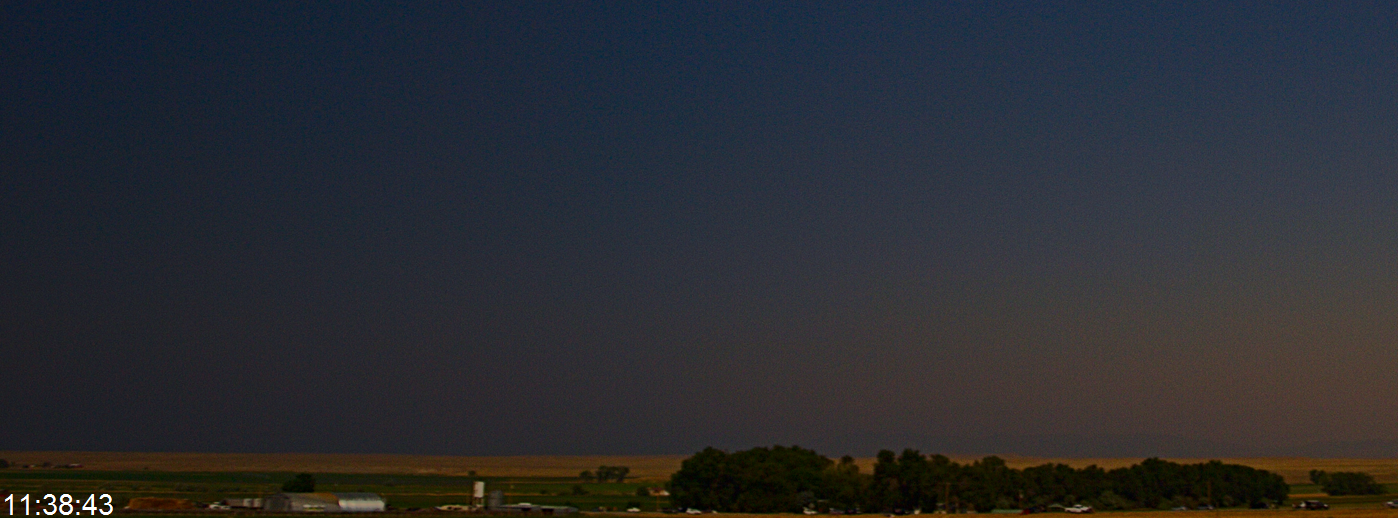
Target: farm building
(496, 504)
(534, 509)
(360, 502)
(324, 503)
(246, 503)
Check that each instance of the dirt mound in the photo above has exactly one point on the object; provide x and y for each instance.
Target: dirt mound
(150, 503)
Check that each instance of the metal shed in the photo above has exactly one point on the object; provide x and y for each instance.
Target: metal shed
(535, 509)
(360, 502)
(324, 503)
(249, 503)
(302, 503)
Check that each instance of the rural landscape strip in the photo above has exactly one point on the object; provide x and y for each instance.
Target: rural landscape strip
(890, 483)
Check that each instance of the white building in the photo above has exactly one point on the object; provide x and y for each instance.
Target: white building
(324, 503)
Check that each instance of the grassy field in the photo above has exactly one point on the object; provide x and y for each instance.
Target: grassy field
(1340, 513)
(401, 491)
(1229, 513)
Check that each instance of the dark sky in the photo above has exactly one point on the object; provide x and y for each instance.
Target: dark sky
(568, 228)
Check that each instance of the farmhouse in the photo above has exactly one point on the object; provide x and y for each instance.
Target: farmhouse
(324, 503)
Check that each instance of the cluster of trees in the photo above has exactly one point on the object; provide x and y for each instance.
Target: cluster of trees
(787, 479)
(1342, 483)
(760, 480)
(301, 483)
(606, 473)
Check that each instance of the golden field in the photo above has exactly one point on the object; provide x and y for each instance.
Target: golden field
(642, 467)
(1376, 512)
(655, 467)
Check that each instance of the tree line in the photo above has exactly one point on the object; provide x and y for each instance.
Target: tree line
(789, 479)
(1346, 483)
(606, 473)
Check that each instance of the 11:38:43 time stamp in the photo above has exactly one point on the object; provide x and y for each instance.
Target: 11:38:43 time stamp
(59, 505)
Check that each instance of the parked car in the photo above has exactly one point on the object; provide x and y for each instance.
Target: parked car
(633, 509)
(1312, 505)
(1392, 504)
(1078, 509)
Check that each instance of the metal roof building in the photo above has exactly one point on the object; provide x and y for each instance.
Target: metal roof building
(535, 509)
(324, 503)
(360, 502)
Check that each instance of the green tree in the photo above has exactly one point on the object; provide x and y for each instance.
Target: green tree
(612, 473)
(886, 486)
(1342, 483)
(4, 463)
(703, 481)
(587, 476)
(1109, 501)
(781, 479)
(760, 480)
(912, 480)
(303, 483)
(846, 487)
(990, 482)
